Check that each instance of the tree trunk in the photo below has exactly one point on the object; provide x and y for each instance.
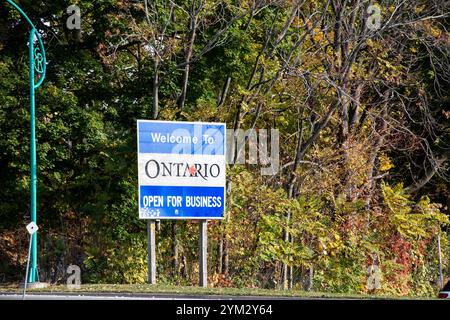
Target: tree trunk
(188, 55)
(285, 266)
(354, 109)
(220, 255)
(380, 132)
(175, 264)
(429, 173)
(225, 256)
(185, 267)
(291, 277)
(225, 246)
(311, 278)
(155, 109)
(223, 96)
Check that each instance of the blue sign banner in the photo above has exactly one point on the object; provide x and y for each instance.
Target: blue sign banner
(181, 137)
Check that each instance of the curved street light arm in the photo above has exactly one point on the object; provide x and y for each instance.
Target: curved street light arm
(37, 57)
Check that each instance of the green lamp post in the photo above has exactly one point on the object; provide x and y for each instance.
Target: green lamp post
(37, 65)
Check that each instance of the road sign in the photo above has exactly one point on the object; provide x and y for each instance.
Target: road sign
(32, 228)
(181, 169)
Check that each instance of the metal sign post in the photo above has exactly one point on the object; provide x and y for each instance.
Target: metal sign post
(151, 260)
(181, 174)
(203, 253)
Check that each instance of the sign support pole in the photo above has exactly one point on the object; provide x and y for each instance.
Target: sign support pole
(203, 253)
(151, 249)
